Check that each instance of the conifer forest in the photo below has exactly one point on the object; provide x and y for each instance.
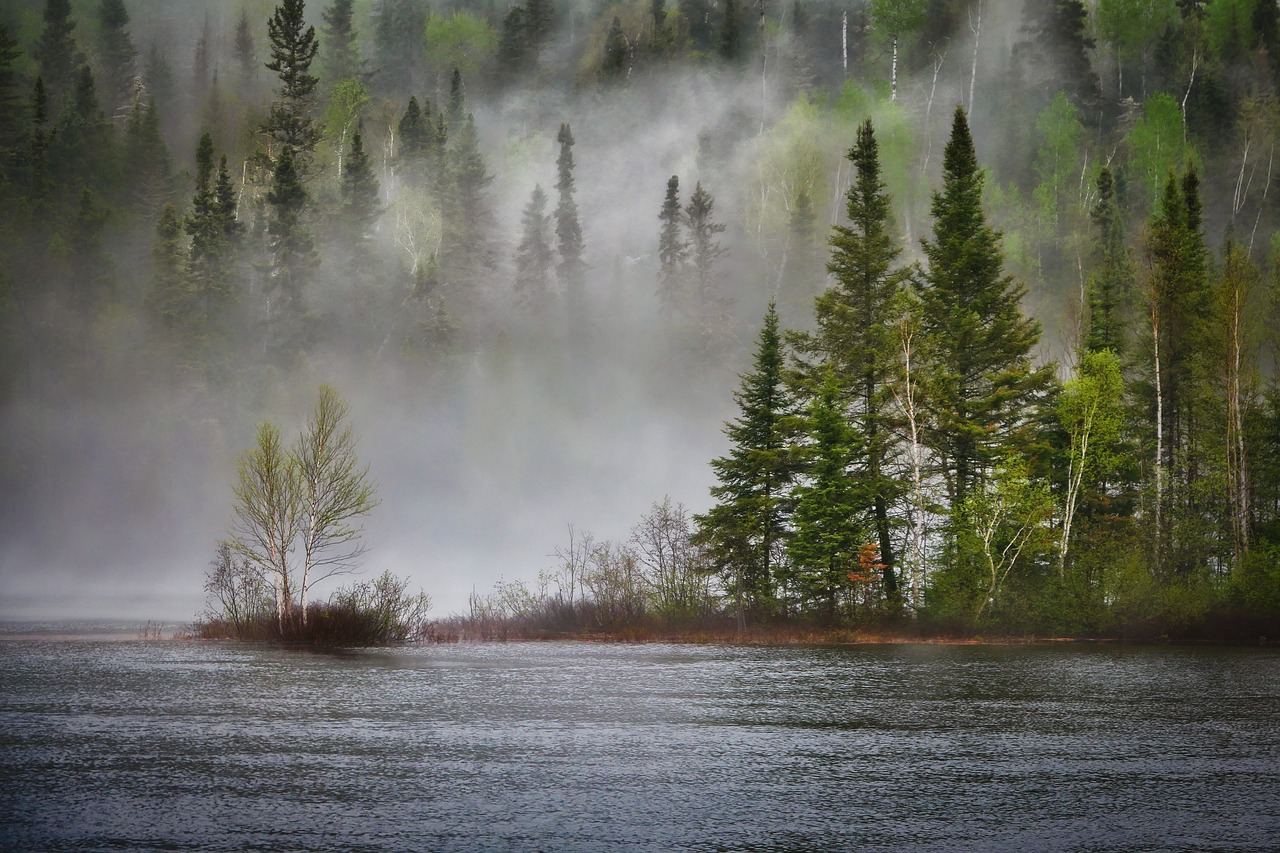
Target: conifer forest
(953, 316)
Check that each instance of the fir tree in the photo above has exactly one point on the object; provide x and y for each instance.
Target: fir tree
(360, 197)
(515, 49)
(704, 251)
(292, 255)
(745, 531)
(246, 52)
(1112, 276)
(571, 269)
(168, 299)
(148, 170)
(56, 54)
(534, 256)
(465, 249)
(207, 225)
(673, 252)
(854, 344)
(414, 135)
(830, 505)
(341, 54)
(398, 44)
(982, 381)
(118, 55)
(293, 47)
(540, 17)
(613, 67)
(202, 63)
(457, 99)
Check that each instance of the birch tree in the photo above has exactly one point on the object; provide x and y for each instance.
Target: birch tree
(335, 493)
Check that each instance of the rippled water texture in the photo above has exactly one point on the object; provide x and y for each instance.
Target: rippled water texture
(175, 745)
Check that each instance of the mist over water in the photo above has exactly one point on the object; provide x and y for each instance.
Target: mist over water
(160, 746)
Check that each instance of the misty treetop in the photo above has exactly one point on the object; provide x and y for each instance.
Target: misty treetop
(1021, 358)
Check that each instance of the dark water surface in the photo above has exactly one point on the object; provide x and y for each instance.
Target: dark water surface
(173, 745)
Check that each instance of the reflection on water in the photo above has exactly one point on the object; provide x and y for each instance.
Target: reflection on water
(175, 745)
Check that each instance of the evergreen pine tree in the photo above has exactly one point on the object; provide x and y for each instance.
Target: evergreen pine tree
(341, 53)
(118, 55)
(292, 255)
(571, 269)
(207, 260)
(167, 301)
(246, 52)
(56, 54)
(465, 248)
(613, 67)
(398, 45)
(673, 252)
(745, 531)
(360, 198)
(202, 63)
(414, 136)
(540, 17)
(457, 99)
(982, 382)
(534, 256)
(293, 47)
(1112, 276)
(704, 250)
(829, 519)
(515, 49)
(854, 344)
(148, 169)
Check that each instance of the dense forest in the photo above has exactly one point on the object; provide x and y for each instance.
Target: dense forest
(1018, 266)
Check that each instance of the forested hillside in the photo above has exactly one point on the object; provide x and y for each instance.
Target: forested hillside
(1017, 265)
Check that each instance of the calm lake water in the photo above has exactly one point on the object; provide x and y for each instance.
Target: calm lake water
(131, 745)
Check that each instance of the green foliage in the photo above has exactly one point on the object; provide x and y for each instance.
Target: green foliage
(831, 505)
(745, 532)
(1057, 160)
(534, 256)
(461, 41)
(1157, 143)
(293, 47)
(982, 381)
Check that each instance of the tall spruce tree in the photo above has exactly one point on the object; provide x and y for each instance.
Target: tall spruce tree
(118, 56)
(292, 257)
(341, 52)
(168, 300)
(210, 226)
(704, 250)
(855, 343)
(571, 269)
(745, 532)
(982, 382)
(360, 194)
(534, 256)
(673, 253)
(293, 46)
(56, 54)
(1110, 283)
(465, 250)
(246, 53)
(830, 519)
(613, 66)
